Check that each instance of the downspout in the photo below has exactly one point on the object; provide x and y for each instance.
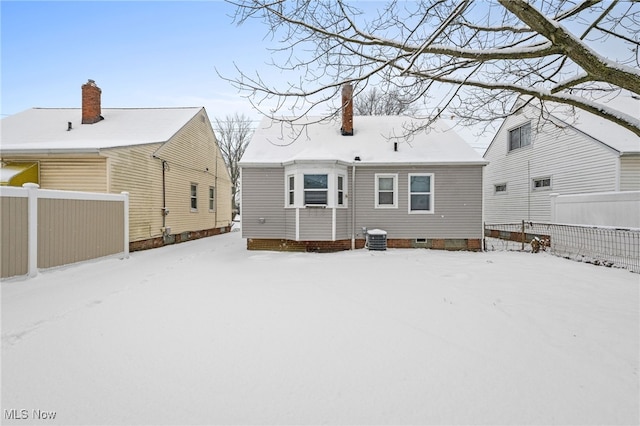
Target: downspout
(164, 198)
(353, 205)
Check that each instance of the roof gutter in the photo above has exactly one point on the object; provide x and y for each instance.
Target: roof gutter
(50, 151)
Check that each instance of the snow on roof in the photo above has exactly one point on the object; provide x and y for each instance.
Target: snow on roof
(605, 131)
(276, 142)
(45, 129)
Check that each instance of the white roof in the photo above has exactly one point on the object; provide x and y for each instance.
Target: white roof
(605, 131)
(45, 129)
(277, 142)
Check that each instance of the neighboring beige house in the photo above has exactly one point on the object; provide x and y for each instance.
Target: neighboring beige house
(166, 158)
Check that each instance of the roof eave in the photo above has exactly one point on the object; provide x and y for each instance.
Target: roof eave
(49, 151)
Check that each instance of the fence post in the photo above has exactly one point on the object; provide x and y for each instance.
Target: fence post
(522, 236)
(126, 224)
(32, 225)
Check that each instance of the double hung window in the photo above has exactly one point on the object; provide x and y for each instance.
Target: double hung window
(520, 137)
(194, 197)
(420, 193)
(316, 187)
(386, 191)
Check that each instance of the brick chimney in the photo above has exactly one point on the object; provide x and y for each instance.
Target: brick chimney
(91, 109)
(347, 110)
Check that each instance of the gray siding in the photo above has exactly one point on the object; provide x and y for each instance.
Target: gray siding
(457, 203)
(263, 197)
(630, 173)
(574, 162)
(343, 224)
(316, 224)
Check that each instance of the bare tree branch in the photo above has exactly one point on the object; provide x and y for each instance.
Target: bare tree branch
(469, 58)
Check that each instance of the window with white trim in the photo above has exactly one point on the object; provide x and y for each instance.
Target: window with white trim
(291, 188)
(316, 187)
(194, 197)
(541, 183)
(212, 199)
(340, 186)
(420, 192)
(386, 188)
(520, 137)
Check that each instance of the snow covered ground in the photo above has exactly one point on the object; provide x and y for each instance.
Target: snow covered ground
(206, 332)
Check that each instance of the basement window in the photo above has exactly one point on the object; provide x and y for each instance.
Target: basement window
(500, 188)
(541, 183)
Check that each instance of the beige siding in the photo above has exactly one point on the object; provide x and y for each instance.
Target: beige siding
(74, 174)
(574, 162)
(134, 170)
(14, 255)
(70, 172)
(193, 156)
(190, 157)
(630, 173)
(75, 230)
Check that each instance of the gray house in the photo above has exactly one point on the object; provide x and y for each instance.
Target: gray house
(318, 185)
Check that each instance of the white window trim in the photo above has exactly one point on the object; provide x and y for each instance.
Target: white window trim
(395, 191)
(344, 191)
(298, 170)
(431, 193)
(191, 197)
(305, 190)
(288, 190)
(495, 188)
(509, 149)
(209, 199)
(544, 188)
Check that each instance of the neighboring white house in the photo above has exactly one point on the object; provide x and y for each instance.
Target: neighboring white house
(559, 151)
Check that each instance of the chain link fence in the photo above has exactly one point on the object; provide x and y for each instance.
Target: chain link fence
(599, 245)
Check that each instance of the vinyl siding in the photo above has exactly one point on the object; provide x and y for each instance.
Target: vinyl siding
(134, 170)
(457, 198)
(14, 230)
(316, 224)
(188, 155)
(70, 173)
(263, 197)
(574, 162)
(630, 173)
(193, 156)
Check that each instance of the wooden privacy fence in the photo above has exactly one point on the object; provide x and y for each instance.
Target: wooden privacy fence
(599, 245)
(42, 228)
